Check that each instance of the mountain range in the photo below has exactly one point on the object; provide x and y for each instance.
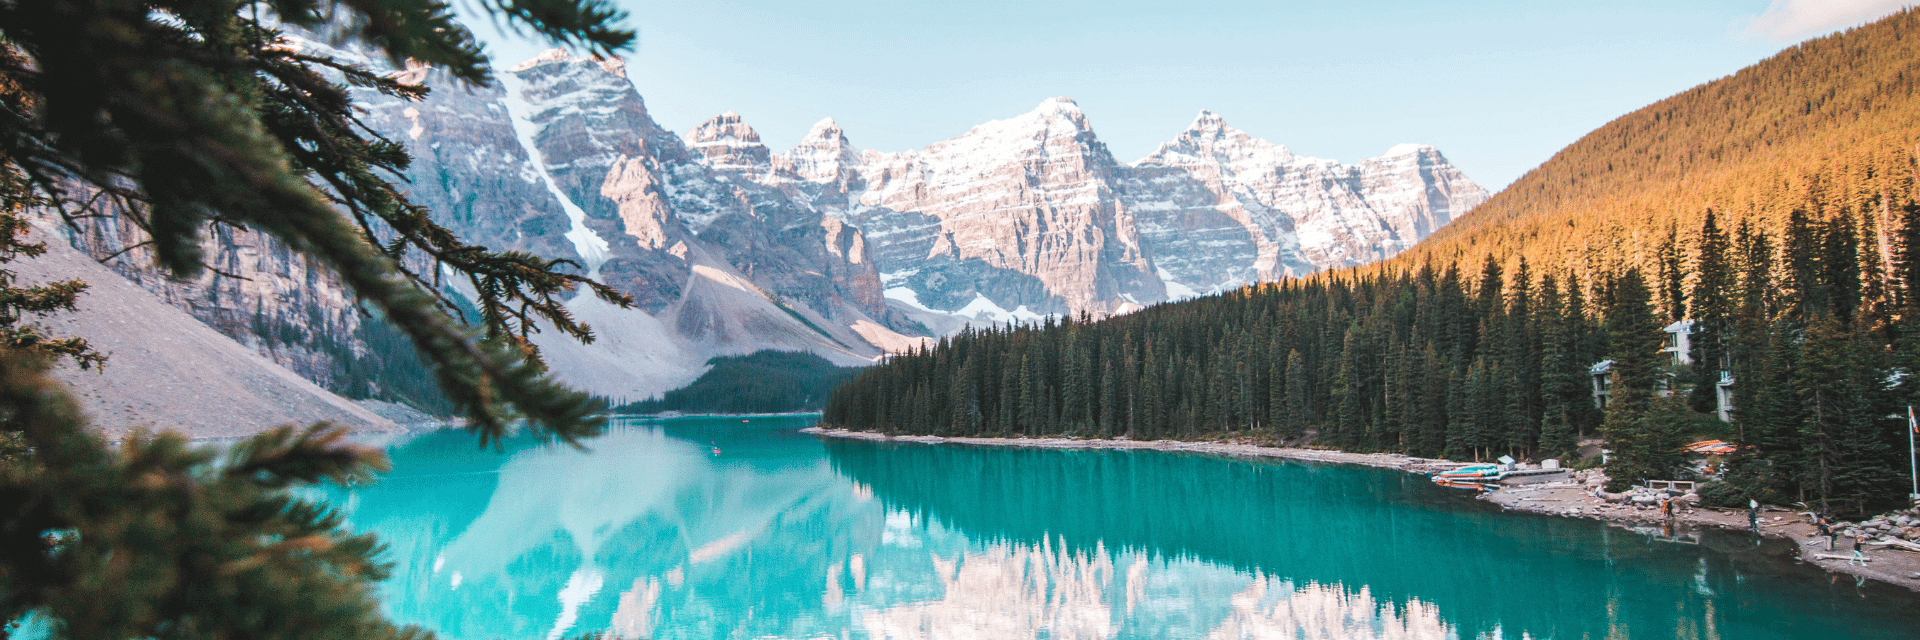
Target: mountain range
(730, 247)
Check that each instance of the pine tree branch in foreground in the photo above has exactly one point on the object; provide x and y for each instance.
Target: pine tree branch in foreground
(158, 539)
(177, 116)
(190, 113)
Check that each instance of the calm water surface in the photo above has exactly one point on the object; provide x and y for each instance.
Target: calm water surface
(653, 534)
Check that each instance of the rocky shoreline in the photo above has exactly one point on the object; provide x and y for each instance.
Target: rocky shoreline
(1565, 499)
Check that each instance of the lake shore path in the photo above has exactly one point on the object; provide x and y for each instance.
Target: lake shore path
(1564, 499)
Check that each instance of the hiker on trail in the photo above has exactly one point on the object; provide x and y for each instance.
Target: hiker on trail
(1858, 557)
(1753, 515)
(1666, 508)
(1820, 524)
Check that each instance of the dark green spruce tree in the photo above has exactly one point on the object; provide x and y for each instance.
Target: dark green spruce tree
(1632, 429)
(1712, 299)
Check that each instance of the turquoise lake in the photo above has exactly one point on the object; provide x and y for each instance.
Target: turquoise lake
(778, 534)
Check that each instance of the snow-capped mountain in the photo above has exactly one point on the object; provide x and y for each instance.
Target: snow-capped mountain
(1034, 212)
(1014, 213)
(731, 247)
(1221, 208)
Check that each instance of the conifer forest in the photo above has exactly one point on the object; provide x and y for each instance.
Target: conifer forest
(1810, 323)
(1771, 212)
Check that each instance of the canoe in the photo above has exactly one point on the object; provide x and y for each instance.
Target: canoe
(1710, 447)
(1471, 471)
(1458, 483)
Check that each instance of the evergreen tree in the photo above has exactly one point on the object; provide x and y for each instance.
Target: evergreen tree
(1712, 296)
(1562, 376)
(1587, 344)
(1875, 309)
(1748, 350)
(1672, 302)
(965, 409)
(1839, 267)
(1843, 429)
(1631, 330)
(1296, 411)
(1906, 296)
(1349, 418)
(1906, 265)
(1076, 404)
(1110, 397)
(17, 303)
(1420, 363)
(1432, 417)
(1800, 268)
(1521, 364)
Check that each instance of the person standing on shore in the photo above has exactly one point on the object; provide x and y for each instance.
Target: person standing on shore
(1820, 525)
(1753, 516)
(1859, 557)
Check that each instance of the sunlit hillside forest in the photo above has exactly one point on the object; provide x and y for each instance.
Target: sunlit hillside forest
(1825, 126)
(1775, 209)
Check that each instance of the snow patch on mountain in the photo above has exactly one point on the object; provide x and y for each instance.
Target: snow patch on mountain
(1406, 149)
(983, 308)
(592, 248)
(980, 310)
(909, 297)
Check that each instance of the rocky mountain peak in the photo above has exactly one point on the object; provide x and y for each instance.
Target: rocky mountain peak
(1060, 104)
(544, 57)
(1409, 149)
(1062, 109)
(1055, 131)
(615, 66)
(824, 154)
(726, 141)
(1207, 121)
(825, 130)
(585, 116)
(723, 242)
(1211, 140)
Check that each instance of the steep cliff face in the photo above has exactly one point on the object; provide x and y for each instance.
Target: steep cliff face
(608, 165)
(783, 243)
(288, 308)
(168, 369)
(1033, 214)
(1027, 196)
(1222, 208)
(1417, 191)
(722, 257)
(470, 168)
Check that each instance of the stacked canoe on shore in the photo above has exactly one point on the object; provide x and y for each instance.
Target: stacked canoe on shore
(1473, 476)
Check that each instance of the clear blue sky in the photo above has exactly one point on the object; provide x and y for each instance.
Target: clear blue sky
(1497, 85)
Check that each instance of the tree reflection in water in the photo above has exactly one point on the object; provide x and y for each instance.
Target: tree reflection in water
(652, 535)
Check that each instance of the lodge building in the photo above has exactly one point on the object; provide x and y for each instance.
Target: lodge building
(1679, 352)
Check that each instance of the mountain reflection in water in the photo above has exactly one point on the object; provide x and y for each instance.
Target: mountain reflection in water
(654, 535)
